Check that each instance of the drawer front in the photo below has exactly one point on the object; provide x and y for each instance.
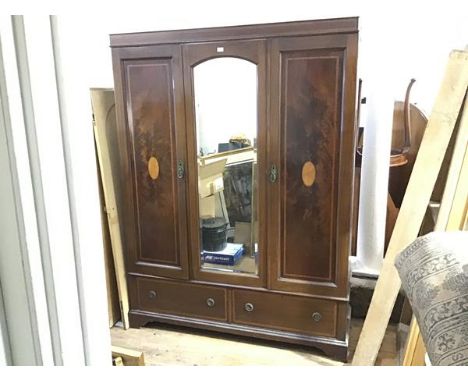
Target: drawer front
(191, 300)
(282, 312)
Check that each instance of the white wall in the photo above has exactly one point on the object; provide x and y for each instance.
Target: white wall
(398, 40)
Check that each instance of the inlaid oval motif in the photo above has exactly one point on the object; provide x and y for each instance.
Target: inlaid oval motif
(153, 168)
(308, 174)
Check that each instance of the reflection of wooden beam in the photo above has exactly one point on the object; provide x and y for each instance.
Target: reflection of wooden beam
(423, 178)
(222, 205)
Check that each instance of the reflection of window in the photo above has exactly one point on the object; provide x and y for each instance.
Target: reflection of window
(225, 103)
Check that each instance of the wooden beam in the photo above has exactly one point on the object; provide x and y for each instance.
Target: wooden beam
(425, 171)
(102, 102)
(459, 210)
(453, 206)
(415, 350)
(118, 361)
(130, 357)
(113, 301)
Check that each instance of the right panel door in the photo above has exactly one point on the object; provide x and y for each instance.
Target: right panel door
(311, 163)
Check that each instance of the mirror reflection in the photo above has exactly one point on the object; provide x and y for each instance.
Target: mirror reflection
(225, 92)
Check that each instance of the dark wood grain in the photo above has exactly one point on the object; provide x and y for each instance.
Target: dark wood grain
(311, 120)
(226, 284)
(175, 298)
(312, 117)
(288, 313)
(241, 32)
(151, 124)
(151, 127)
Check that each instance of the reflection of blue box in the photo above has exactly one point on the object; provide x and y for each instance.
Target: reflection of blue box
(228, 256)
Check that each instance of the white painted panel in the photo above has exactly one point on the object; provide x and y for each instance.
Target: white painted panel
(5, 351)
(26, 197)
(83, 189)
(54, 186)
(15, 288)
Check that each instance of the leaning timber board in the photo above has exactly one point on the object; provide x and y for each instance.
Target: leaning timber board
(103, 103)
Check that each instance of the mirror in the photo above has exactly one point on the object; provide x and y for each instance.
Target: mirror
(225, 91)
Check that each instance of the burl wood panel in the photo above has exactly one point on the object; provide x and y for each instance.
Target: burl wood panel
(310, 130)
(150, 111)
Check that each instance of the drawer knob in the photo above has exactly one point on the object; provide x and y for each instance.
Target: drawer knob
(210, 302)
(248, 307)
(316, 316)
(152, 294)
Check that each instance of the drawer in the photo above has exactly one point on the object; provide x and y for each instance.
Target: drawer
(284, 312)
(161, 296)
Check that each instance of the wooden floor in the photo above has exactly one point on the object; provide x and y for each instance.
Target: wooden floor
(168, 345)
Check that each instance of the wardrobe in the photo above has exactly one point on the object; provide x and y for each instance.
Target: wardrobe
(237, 150)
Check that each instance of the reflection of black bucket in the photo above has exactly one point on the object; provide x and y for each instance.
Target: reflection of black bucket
(214, 234)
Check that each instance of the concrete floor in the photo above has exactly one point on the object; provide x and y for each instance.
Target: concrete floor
(170, 345)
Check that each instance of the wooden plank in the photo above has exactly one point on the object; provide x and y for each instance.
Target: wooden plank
(428, 162)
(459, 209)
(403, 329)
(102, 102)
(113, 304)
(130, 357)
(118, 361)
(454, 199)
(415, 349)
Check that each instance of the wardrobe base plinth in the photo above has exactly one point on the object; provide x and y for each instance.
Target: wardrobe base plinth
(332, 347)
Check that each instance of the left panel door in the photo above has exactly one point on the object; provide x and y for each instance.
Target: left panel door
(151, 124)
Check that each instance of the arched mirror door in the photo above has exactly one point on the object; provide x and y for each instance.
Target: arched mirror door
(225, 105)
